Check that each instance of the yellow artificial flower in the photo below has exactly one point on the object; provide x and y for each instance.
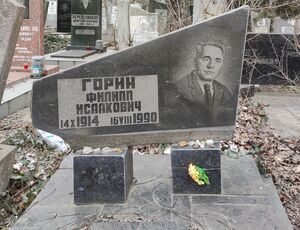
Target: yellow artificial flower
(198, 174)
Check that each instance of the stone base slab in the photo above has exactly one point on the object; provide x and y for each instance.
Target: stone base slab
(247, 202)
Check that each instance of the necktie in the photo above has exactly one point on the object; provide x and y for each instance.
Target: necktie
(208, 97)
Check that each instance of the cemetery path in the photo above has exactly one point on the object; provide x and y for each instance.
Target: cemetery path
(283, 112)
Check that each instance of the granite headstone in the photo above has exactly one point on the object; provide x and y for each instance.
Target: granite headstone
(103, 178)
(271, 59)
(108, 27)
(209, 158)
(26, 11)
(204, 9)
(143, 25)
(285, 26)
(51, 17)
(64, 16)
(10, 22)
(150, 93)
(123, 30)
(162, 20)
(31, 37)
(260, 25)
(86, 23)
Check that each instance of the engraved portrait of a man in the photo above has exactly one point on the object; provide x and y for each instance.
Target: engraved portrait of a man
(85, 4)
(64, 8)
(200, 93)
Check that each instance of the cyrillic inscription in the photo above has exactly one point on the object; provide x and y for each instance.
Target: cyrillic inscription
(107, 101)
(85, 20)
(85, 32)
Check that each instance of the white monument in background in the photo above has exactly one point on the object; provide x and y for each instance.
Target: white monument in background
(204, 9)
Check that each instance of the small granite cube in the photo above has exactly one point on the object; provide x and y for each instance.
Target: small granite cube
(207, 158)
(103, 178)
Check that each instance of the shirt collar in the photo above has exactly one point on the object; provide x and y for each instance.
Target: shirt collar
(202, 83)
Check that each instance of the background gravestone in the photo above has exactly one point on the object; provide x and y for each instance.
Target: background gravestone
(10, 22)
(203, 9)
(31, 37)
(108, 26)
(127, 97)
(26, 11)
(51, 14)
(64, 16)
(271, 59)
(143, 25)
(86, 23)
(260, 25)
(285, 26)
(123, 29)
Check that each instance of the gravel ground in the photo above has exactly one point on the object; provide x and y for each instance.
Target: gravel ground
(9, 125)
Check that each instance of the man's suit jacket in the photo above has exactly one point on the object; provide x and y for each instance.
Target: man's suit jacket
(192, 107)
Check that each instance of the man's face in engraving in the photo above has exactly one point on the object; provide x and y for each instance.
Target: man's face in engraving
(208, 62)
(64, 7)
(85, 3)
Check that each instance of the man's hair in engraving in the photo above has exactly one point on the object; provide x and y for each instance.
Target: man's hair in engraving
(215, 43)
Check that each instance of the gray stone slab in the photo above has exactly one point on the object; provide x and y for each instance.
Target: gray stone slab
(163, 101)
(151, 204)
(283, 113)
(228, 216)
(140, 226)
(142, 163)
(278, 208)
(151, 199)
(58, 191)
(7, 157)
(230, 199)
(74, 53)
(11, 14)
(67, 163)
(15, 104)
(57, 217)
(233, 171)
(181, 204)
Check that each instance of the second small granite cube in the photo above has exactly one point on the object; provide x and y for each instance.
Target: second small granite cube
(207, 158)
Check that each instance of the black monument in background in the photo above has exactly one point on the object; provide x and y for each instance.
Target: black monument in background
(86, 23)
(271, 59)
(64, 8)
